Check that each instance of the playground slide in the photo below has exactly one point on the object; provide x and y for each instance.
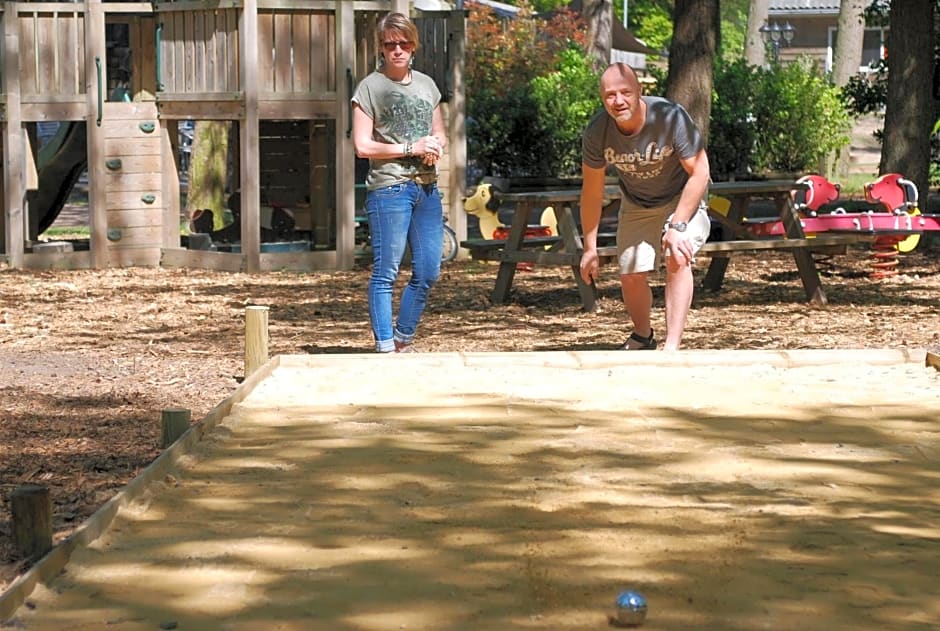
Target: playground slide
(61, 161)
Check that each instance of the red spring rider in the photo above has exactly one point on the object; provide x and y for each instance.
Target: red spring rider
(895, 195)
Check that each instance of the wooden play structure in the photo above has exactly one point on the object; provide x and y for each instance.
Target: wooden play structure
(122, 78)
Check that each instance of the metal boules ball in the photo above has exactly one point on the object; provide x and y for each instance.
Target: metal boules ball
(631, 608)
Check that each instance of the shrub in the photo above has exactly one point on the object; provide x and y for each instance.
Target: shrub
(503, 134)
(785, 118)
(566, 100)
(867, 93)
(506, 134)
(732, 133)
(800, 117)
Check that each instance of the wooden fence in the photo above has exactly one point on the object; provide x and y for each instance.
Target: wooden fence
(49, 40)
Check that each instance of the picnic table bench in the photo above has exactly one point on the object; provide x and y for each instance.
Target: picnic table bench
(493, 249)
(565, 249)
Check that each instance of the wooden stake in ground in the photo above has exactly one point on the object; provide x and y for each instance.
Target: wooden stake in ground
(256, 338)
(175, 423)
(31, 507)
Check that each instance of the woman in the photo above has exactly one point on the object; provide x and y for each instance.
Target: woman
(398, 126)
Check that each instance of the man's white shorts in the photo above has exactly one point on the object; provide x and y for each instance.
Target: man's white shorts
(640, 234)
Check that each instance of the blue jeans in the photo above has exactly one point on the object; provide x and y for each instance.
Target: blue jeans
(406, 213)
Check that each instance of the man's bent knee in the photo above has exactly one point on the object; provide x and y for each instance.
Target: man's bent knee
(637, 278)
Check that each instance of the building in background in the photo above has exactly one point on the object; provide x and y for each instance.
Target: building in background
(815, 24)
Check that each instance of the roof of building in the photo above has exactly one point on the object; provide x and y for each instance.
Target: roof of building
(803, 7)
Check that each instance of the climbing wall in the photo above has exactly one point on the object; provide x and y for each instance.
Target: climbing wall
(135, 208)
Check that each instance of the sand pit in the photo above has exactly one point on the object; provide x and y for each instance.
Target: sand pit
(735, 490)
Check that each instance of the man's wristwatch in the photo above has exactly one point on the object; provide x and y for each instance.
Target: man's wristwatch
(679, 226)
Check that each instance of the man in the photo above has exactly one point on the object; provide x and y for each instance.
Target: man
(660, 160)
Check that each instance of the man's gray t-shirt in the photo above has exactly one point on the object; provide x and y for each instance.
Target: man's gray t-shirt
(648, 162)
(400, 113)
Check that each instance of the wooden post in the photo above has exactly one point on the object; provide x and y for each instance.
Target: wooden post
(31, 508)
(95, 54)
(14, 149)
(249, 139)
(175, 422)
(345, 211)
(457, 126)
(256, 338)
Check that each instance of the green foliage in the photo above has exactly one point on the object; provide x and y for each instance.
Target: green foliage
(535, 129)
(566, 100)
(67, 232)
(545, 6)
(733, 29)
(652, 22)
(877, 13)
(801, 119)
(531, 90)
(935, 155)
(516, 127)
(658, 85)
(732, 133)
(503, 54)
(786, 118)
(503, 134)
(867, 93)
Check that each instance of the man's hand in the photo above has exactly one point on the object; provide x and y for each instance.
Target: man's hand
(590, 264)
(675, 245)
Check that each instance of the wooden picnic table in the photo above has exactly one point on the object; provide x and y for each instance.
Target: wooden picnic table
(565, 249)
(780, 193)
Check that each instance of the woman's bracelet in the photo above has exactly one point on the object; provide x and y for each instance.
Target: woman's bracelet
(408, 150)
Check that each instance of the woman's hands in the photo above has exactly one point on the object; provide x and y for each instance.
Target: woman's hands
(429, 148)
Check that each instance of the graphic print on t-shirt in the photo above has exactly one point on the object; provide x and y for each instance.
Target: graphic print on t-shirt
(406, 116)
(639, 165)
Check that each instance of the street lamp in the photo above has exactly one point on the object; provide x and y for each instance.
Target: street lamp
(776, 36)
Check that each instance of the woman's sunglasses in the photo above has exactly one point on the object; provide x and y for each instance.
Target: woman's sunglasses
(391, 46)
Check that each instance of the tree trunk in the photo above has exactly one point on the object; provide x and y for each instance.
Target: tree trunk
(847, 59)
(694, 47)
(755, 50)
(910, 104)
(848, 53)
(208, 171)
(599, 15)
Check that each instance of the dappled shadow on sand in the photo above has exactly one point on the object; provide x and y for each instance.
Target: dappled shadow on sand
(528, 505)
